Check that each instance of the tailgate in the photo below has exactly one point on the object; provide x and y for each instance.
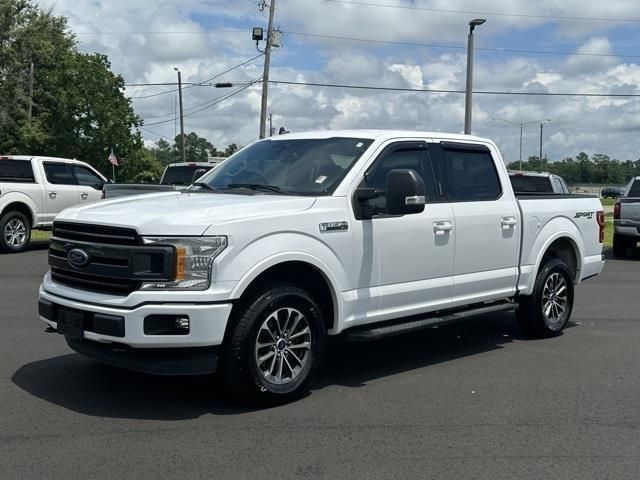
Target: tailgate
(629, 212)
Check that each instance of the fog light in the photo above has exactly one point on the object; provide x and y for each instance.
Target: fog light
(182, 323)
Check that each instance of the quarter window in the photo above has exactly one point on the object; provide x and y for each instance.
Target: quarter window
(469, 175)
(16, 171)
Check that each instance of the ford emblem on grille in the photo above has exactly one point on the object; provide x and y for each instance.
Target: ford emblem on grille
(78, 257)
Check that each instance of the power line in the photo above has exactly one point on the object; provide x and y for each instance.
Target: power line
(480, 92)
(155, 133)
(456, 47)
(218, 100)
(199, 84)
(497, 14)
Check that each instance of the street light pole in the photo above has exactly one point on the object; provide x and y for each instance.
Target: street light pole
(469, 88)
(182, 151)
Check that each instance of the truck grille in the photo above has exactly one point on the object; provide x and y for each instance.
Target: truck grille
(117, 262)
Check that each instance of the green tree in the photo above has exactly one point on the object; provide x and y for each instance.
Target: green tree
(197, 149)
(231, 149)
(78, 106)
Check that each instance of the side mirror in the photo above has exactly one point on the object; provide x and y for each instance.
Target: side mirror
(197, 174)
(405, 192)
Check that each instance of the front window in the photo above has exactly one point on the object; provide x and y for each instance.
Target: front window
(294, 167)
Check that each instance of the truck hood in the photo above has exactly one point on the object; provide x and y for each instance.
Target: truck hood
(182, 213)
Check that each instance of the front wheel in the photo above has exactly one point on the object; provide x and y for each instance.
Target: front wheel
(15, 230)
(546, 311)
(275, 345)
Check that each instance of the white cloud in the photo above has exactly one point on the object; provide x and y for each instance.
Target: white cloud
(211, 46)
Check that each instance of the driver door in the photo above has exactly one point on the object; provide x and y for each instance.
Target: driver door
(411, 256)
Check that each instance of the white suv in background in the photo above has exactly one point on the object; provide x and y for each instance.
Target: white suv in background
(33, 190)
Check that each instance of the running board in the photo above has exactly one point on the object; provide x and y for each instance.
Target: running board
(376, 331)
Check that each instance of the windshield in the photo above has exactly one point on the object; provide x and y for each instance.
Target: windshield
(296, 167)
(182, 175)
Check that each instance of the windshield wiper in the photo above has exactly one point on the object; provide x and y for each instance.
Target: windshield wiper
(204, 185)
(257, 186)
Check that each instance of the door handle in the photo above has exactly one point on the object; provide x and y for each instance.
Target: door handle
(442, 228)
(52, 195)
(508, 222)
(84, 196)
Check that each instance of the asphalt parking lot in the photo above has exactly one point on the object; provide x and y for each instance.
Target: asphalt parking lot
(472, 400)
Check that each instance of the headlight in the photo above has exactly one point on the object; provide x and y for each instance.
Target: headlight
(193, 264)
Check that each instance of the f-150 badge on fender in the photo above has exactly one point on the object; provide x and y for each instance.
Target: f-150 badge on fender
(334, 226)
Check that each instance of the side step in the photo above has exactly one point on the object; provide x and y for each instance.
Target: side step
(412, 324)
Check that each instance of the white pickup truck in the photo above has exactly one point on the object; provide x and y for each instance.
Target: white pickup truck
(360, 233)
(33, 190)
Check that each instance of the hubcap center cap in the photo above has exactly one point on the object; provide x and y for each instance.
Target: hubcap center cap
(281, 344)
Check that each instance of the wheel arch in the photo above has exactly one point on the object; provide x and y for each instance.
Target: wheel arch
(22, 207)
(303, 270)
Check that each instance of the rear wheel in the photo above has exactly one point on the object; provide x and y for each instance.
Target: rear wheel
(15, 232)
(546, 311)
(274, 347)
(620, 246)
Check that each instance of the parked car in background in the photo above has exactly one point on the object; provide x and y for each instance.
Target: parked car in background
(612, 192)
(33, 190)
(176, 176)
(296, 237)
(537, 182)
(626, 219)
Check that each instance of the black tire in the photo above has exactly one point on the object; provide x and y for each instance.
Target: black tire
(531, 312)
(248, 380)
(620, 246)
(15, 232)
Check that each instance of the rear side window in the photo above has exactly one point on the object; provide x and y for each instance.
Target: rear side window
(16, 171)
(469, 175)
(634, 191)
(58, 174)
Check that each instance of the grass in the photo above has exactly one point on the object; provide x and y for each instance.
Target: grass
(40, 235)
(608, 230)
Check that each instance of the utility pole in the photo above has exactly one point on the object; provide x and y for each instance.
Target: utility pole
(270, 124)
(182, 151)
(30, 90)
(469, 88)
(175, 116)
(541, 146)
(265, 75)
(521, 125)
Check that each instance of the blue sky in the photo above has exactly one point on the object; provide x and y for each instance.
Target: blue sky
(146, 51)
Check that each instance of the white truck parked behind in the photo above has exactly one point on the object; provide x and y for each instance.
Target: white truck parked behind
(33, 190)
(296, 237)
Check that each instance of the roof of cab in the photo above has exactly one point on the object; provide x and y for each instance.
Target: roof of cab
(379, 134)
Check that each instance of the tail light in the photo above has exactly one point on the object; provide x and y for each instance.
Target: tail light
(600, 219)
(616, 210)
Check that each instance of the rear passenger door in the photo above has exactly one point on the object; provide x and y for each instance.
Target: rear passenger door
(89, 184)
(487, 223)
(61, 189)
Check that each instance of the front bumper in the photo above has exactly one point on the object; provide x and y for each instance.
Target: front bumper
(117, 335)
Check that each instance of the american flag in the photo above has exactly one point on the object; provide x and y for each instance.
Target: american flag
(113, 159)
